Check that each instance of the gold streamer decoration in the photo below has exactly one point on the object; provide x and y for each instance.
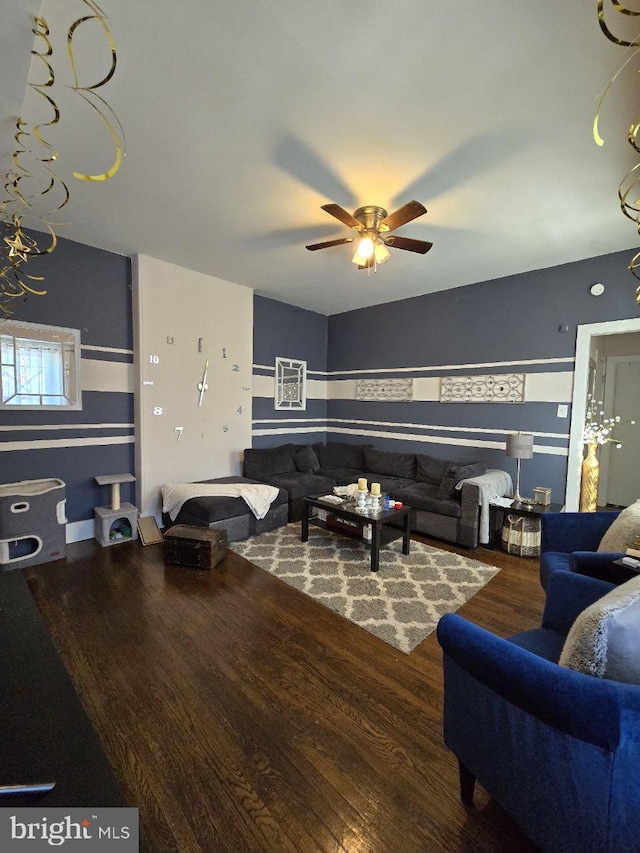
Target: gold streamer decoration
(629, 187)
(89, 92)
(37, 190)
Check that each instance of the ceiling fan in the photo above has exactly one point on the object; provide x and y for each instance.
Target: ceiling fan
(374, 225)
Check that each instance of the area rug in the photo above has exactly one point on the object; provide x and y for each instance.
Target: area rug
(401, 603)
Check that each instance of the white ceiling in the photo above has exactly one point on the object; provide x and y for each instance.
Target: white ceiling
(243, 117)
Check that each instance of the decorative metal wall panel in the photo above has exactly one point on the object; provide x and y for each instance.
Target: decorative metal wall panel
(291, 384)
(386, 390)
(497, 388)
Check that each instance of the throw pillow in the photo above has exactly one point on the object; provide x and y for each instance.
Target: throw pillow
(430, 469)
(455, 473)
(336, 454)
(605, 638)
(390, 462)
(306, 460)
(623, 532)
(267, 461)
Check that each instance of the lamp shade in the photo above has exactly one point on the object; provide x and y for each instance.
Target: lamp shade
(520, 446)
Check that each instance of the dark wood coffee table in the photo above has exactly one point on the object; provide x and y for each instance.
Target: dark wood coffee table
(381, 530)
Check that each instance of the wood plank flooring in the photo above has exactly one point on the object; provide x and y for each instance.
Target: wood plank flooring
(240, 716)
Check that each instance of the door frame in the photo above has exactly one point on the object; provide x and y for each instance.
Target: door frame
(579, 402)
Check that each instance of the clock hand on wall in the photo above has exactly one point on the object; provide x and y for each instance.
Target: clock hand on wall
(202, 386)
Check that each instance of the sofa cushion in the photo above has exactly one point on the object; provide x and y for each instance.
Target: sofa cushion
(429, 469)
(337, 454)
(210, 508)
(392, 486)
(624, 532)
(342, 476)
(425, 496)
(455, 473)
(261, 462)
(389, 462)
(605, 638)
(301, 485)
(306, 460)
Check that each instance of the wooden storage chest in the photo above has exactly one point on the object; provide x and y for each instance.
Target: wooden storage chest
(195, 547)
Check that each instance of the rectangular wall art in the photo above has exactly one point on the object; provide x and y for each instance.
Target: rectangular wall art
(387, 390)
(503, 388)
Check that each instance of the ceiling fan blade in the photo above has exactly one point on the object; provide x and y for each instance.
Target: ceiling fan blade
(410, 210)
(342, 214)
(328, 243)
(420, 246)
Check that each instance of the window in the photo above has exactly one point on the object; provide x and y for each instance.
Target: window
(40, 366)
(291, 379)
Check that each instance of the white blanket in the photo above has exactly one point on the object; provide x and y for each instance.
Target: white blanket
(257, 496)
(493, 484)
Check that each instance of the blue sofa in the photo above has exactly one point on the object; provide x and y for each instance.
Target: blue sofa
(569, 542)
(557, 749)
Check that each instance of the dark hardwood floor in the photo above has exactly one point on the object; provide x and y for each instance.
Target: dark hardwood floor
(241, 716)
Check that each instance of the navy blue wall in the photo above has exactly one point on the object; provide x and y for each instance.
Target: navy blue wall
(90, 290)
(467, 331)
(289, 332)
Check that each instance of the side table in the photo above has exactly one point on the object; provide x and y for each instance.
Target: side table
(497, 513)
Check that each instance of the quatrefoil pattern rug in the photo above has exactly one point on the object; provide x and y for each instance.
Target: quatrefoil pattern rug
(401, 603)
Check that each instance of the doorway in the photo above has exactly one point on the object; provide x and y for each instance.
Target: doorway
(588, 338)
(620, 468)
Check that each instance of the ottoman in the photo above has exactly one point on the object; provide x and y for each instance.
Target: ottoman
(231, 514)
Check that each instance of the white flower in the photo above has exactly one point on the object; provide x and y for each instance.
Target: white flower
(598, 429)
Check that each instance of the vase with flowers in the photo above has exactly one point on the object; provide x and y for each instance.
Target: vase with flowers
(597, 430)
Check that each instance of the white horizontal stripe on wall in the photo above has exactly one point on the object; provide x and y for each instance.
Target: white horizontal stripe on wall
(263, 386)
(360, 428)
(539, 388)
(43, 444)
(75, 427)
(281, 421)
(106, 376)
(447, 367)
(442, 439)
(272, 368)
(401, 425)
(288, 431)
(106, 349)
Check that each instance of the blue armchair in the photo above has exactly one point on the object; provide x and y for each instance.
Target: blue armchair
(570, 541)
(558, 750)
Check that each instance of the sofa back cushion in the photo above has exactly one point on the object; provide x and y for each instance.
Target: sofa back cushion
(429, 469)
(306, 460)
(337, 454)
(455, 473)
(390, 463)
(262, 462)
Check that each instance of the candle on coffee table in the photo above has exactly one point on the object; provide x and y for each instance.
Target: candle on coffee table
(362, 484)
(375, 488)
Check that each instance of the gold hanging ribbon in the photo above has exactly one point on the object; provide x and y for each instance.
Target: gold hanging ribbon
(89, 93)
(630, 184)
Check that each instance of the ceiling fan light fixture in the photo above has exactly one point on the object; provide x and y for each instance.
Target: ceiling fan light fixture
(381, 253)
(364, 250)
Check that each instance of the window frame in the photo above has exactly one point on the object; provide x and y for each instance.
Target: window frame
(70, 362)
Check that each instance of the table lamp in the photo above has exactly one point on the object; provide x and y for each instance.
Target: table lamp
(519, 446)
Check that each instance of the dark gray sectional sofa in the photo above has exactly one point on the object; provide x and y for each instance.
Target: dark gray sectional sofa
(425, 483)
